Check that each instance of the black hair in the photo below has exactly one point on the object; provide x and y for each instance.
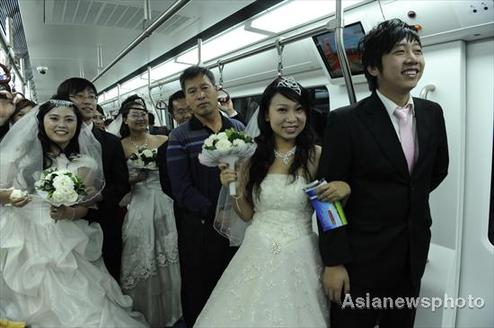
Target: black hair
(194, 71)
(108, 121)
(127, 105)
(263, 157)
(177, 95)
(150, 118)
(74, 85)
(21, 104)
(380, 41)
(100, 110)
(72, 147)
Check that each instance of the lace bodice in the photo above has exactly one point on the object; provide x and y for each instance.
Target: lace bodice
(282, 211)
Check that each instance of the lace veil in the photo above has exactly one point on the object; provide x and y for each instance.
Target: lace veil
(21, 158)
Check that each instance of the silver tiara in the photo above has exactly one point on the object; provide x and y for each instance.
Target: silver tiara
(61, 103)
(289, 82)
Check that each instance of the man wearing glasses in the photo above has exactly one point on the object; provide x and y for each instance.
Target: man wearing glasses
(178, 108)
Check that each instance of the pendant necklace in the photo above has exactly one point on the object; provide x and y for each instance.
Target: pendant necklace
(285, 157)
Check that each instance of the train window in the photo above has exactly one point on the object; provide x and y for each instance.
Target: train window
(246, 106)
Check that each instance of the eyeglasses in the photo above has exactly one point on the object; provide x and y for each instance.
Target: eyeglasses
(137, 116)
(80, 98)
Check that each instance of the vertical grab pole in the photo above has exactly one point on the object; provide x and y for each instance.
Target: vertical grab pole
(340, 50)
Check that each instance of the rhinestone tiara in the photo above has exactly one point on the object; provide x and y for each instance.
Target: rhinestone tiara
(289, 82)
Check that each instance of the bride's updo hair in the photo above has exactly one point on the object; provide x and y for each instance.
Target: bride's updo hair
(73, 146)
(263, 157)
(133, 102)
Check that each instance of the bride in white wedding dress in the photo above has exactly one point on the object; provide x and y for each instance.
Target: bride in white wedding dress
(274, 278)
(51, 271)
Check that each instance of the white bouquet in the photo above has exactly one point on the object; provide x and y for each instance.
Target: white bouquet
(60, 187)
(144, 158)
(228, 147)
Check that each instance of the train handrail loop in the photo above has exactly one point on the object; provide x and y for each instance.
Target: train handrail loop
(425, 90)
(221, 65)
(279, 49)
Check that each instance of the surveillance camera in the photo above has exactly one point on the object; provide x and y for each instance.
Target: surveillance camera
(42, 69)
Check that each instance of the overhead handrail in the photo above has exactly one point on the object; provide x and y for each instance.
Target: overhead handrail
(10, 57)
(263, 45)
(167, 14)
(426, 89)
(340, 51)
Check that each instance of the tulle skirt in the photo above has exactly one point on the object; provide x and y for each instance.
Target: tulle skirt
(52, 274)
(150, 263)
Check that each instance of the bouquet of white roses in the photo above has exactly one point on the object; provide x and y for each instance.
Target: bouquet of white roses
(144, 158)
(228, 146)
(60, 187)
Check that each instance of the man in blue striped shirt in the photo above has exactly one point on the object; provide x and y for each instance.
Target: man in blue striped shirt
(204, 254)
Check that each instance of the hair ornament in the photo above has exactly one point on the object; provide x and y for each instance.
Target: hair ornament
(290, 83)
(61, 103)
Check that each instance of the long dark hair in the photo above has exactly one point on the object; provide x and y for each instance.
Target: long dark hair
(263, 158)
(72, 147)
(127, 105)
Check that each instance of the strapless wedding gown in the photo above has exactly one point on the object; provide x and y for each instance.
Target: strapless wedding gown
(274, 278)
(52, 274)
(150, 264)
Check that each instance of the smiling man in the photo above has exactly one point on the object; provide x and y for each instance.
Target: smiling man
(204, 254)
(392, 150)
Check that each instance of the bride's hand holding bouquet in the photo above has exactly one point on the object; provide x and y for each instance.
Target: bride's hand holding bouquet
(227, 147)
(62, 189)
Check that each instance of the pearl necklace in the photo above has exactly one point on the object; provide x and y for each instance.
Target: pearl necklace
(144, 145)
(285, 157)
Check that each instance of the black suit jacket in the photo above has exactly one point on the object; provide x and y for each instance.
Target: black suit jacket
(115, 171)
(116, 186)
(388, 232)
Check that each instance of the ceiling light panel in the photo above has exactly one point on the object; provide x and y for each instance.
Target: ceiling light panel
(225, 43)
(295, 13)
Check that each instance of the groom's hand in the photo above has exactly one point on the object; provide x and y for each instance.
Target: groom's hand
(335, 279)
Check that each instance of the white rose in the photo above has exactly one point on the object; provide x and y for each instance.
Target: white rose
(221, 136)
(209, 142)
(223, 144)
(238, 142)
(17, 194)
(63, 181)
(64, 196)
(147, 153)
(139, 163)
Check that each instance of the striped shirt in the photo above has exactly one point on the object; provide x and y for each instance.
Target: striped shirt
(195, 187)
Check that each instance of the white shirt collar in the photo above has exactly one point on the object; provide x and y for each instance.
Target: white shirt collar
(391, 105)
(90, 125)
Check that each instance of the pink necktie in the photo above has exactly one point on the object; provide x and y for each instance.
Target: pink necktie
(406, 134)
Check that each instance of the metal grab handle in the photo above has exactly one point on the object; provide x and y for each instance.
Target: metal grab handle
(425, 90)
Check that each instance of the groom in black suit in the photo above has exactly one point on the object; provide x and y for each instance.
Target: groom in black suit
(392, 151)
(83, 93)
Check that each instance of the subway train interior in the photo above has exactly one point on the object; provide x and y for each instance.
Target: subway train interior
(142, 46)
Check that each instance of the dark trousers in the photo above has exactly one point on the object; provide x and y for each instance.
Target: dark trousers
(204, 255)
(112, 240)
(383, 314)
